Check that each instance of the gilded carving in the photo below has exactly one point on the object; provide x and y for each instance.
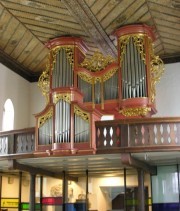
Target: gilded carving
(138, 42)
(109, 74)
(45, 117)
(69, 52)
(59, 96)
(156, 70)
(44, 82)
(93, 79)
(136, 111)
(97, 63)
(81, 113)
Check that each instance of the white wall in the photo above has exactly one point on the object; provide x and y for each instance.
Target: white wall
(168, 92)
(37, 102)
(17, 89)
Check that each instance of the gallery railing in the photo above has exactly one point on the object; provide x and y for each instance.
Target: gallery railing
(122, 135)
(17, 141)
(138, 134)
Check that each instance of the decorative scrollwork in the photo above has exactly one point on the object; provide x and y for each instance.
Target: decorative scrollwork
(81, 113)
(97, 63)
(69, 52)
(59, 96)
(45, 117)
(136, 111)
(109, 74)
(123, 40)
(85, 77)
(44, 82)
(139, 43)
(156, 70)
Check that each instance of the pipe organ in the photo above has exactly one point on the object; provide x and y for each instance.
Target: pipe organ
(139, 70)
(79, 90)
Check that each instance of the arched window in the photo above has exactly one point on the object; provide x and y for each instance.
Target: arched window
(8, 116)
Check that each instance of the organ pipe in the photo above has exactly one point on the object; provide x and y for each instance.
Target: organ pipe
(137, 66)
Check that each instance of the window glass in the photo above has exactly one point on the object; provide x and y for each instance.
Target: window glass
(8, 116)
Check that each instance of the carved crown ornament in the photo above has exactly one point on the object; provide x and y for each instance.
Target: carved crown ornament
(98, 62)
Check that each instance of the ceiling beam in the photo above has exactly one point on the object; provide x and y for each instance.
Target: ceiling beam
(127, 159)
(13, 65)
(14, 165)
(81, 12)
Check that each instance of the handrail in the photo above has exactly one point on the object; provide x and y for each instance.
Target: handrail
(139, 134)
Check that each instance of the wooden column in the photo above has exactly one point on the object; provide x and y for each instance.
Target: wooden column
(32, 192)
(41, 192)
(65, 190)
(141, 197)
(20, 190)
(125, 195)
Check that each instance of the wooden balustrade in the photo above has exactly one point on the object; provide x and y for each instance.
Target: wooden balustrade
(149, 133)
(17, 141)
(122, 135)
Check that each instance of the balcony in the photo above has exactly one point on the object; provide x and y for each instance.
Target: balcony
(115, 136)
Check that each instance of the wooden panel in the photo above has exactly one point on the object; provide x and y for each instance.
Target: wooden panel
(171, 30)
(5, 26)
(90, 2)
(166, 17)
(167, 24)
(55, 27)
(41, 66)
(98, 5)
(15, 38)
(164, 9)
(22, 44)
(106, 10)
(115, 12)
(123, 18)
(34, 53)
(27, 50)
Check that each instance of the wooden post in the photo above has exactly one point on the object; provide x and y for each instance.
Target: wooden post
(20, 190)
(32, 192)
(41, 192)
(141, 198)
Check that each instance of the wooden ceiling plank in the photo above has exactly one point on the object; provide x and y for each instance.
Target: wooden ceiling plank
(4, 22)
(80, 10)
(45, 10)
(39, 3)
(15, 39)
(171, 42)
(165, 29)
(55, 27)
(98, 5)
(90, 2)
(164, 9)
(170, 18)
(137, 14)
(34, 53)
(170, 36)
(22, 44)
(114, 13)
(106, 10)
(167, 24)
(46, 19)
(27, 51)
(42, 64)
(129, 15)
(175, 48)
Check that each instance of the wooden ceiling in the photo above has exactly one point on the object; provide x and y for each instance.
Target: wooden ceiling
(25, 25)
